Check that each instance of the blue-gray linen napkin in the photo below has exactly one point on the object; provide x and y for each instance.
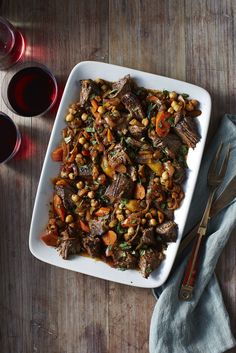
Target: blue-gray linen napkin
(202, 324)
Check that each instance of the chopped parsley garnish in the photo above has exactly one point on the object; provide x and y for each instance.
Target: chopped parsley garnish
(125, 246)
(165, 92)
(119, 229)
(163, 205)
(185, 95)
(171, 121)
(90, 129)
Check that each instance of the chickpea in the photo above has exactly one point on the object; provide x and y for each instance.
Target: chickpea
(131, 231)
(81, 140)
(173, 95)
(145, 122)
(127, 236)
(63, 174)
(118, 212)
(165, 175)
(148, 215)
(170, 110)
(152, 222)
(102, 179)
(173, 104)
(69, 218)
(72, 111)
(91, 194)
(71, 176)
(84, 116)
(80, 185)
(120, 217)
(69, 117)
(113, 223)
(101, 110)
(94, 203)
(194, 102)
(75, 198)
(189, 107)
(116, 113)
(143, 221)
(128, 212)
(86, 146)
(82, 192)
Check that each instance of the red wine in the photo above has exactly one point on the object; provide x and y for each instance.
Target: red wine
(31, 91)
(9, 138)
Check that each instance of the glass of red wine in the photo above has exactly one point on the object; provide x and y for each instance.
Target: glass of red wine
(30, 89)
(10, 138)
(12, 44)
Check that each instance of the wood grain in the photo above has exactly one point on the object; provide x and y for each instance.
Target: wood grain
(45, 309)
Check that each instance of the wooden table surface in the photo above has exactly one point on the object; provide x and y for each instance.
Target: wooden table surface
(45, 309)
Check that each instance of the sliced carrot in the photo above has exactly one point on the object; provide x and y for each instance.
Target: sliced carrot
(57, 154)
(94, 104)
(84, 226)
(110, 137)
(103, 211)
(153, 99)
(162, 125)
(73, 154)
(131, 222)
(109, 238)
(50, 239)
(107, 168)
(58, 207)
(61, 182)
(139, 192)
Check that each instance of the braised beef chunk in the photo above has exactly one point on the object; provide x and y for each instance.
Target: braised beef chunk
(92, 245)
(88, 87)
(134, 143)
(187, 131)
(137, 131)
(179, 174)
(170, 143)
(69, 247)
(124, 259)
(167, 231)
(117, 156)
(65, 193)
(169, 214)
(97, 227)
(148, 237)
(133, 105)
(121, 87)
(122, 185)
(149, 261)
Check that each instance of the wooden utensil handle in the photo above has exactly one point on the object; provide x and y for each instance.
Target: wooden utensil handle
(190, 273)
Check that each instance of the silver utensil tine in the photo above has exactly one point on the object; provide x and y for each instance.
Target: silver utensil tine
(225, 163)
(213, 164)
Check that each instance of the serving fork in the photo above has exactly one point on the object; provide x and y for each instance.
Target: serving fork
(214, 179)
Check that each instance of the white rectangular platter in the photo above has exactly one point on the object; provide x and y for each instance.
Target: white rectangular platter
(89, 266)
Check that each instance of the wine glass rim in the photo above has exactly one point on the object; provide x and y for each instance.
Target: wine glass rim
(22, 66)
(11, 31)
(18, 137)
